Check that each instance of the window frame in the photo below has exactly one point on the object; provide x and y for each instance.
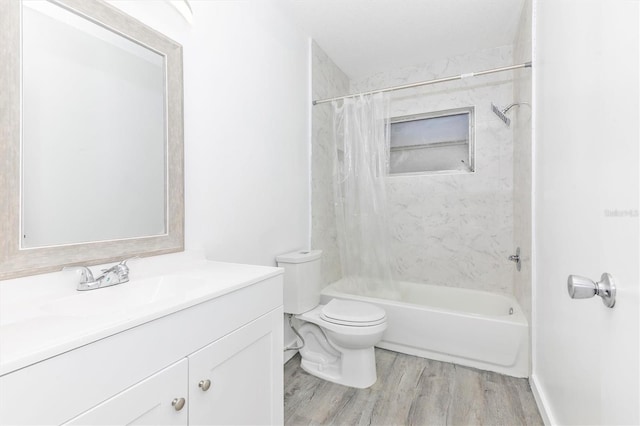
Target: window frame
(470, 111)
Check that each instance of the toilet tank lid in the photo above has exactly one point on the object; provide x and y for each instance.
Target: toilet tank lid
(299, 256)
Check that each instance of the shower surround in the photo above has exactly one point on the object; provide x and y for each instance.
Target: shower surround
(453, 230)
(327, 81)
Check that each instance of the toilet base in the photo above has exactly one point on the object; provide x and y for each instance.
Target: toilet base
(354, 368)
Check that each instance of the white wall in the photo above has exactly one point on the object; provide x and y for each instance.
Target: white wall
(246, 127)
(585, 366)
(247, 149)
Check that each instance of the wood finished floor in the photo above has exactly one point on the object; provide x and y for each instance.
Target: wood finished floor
(410, 391)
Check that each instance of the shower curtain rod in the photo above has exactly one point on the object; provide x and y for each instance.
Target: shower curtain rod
(426, 83)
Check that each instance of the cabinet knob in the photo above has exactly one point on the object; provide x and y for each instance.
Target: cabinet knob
(205, 384)
(178, 403)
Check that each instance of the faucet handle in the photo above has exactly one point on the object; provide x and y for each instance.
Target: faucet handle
(86, 276)
(123, 264)
(122, 269)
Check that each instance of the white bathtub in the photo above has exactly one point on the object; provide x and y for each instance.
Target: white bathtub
(466, 327)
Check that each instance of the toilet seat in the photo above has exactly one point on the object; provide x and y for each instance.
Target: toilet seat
(353, 314)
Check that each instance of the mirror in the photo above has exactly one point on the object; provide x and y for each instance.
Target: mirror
(92, 134)
(96, 181)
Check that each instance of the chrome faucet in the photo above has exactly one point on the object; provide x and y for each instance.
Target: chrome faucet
(117, 274)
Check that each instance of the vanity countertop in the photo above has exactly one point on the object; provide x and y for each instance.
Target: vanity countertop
(44, 316)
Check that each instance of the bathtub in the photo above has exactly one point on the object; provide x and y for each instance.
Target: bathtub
(467, 327)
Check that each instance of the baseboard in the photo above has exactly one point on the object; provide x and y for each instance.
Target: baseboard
(541, 401)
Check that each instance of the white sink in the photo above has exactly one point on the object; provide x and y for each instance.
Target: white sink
(128, 298)
(45, 315)
(123, 298)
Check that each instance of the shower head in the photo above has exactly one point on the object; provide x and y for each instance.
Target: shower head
(501, 113)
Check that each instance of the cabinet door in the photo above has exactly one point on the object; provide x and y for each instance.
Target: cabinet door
(146, 403)
(245, 373)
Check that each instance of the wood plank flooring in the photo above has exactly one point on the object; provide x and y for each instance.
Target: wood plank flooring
(410, 391)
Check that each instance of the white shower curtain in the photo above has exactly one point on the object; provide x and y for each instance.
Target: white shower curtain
(361, 158)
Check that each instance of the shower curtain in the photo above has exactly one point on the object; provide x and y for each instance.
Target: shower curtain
(361, 158)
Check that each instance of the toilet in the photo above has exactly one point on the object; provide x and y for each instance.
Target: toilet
(339, 337)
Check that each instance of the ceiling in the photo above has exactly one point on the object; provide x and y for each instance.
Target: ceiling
(368, 36)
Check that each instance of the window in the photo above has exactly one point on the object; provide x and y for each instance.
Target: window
(432, 142)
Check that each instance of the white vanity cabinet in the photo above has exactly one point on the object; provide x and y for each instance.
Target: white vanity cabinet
(238, 379)
(151, 402)
(234, 380)
(230, 345)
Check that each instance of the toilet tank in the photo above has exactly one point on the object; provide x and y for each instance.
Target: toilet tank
(301, 280)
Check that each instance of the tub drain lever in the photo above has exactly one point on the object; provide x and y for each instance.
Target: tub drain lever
(516, 258)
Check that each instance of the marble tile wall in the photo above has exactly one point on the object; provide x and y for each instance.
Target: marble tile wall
(453, 229)
(522, 161)
(456, 229)
(327, 81)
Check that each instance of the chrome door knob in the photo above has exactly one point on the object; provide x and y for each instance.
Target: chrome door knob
(581, 287)
(584, 288)
(204, 385)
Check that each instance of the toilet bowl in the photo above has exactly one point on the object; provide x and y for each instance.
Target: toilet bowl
(339, 346)
(339, 337)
